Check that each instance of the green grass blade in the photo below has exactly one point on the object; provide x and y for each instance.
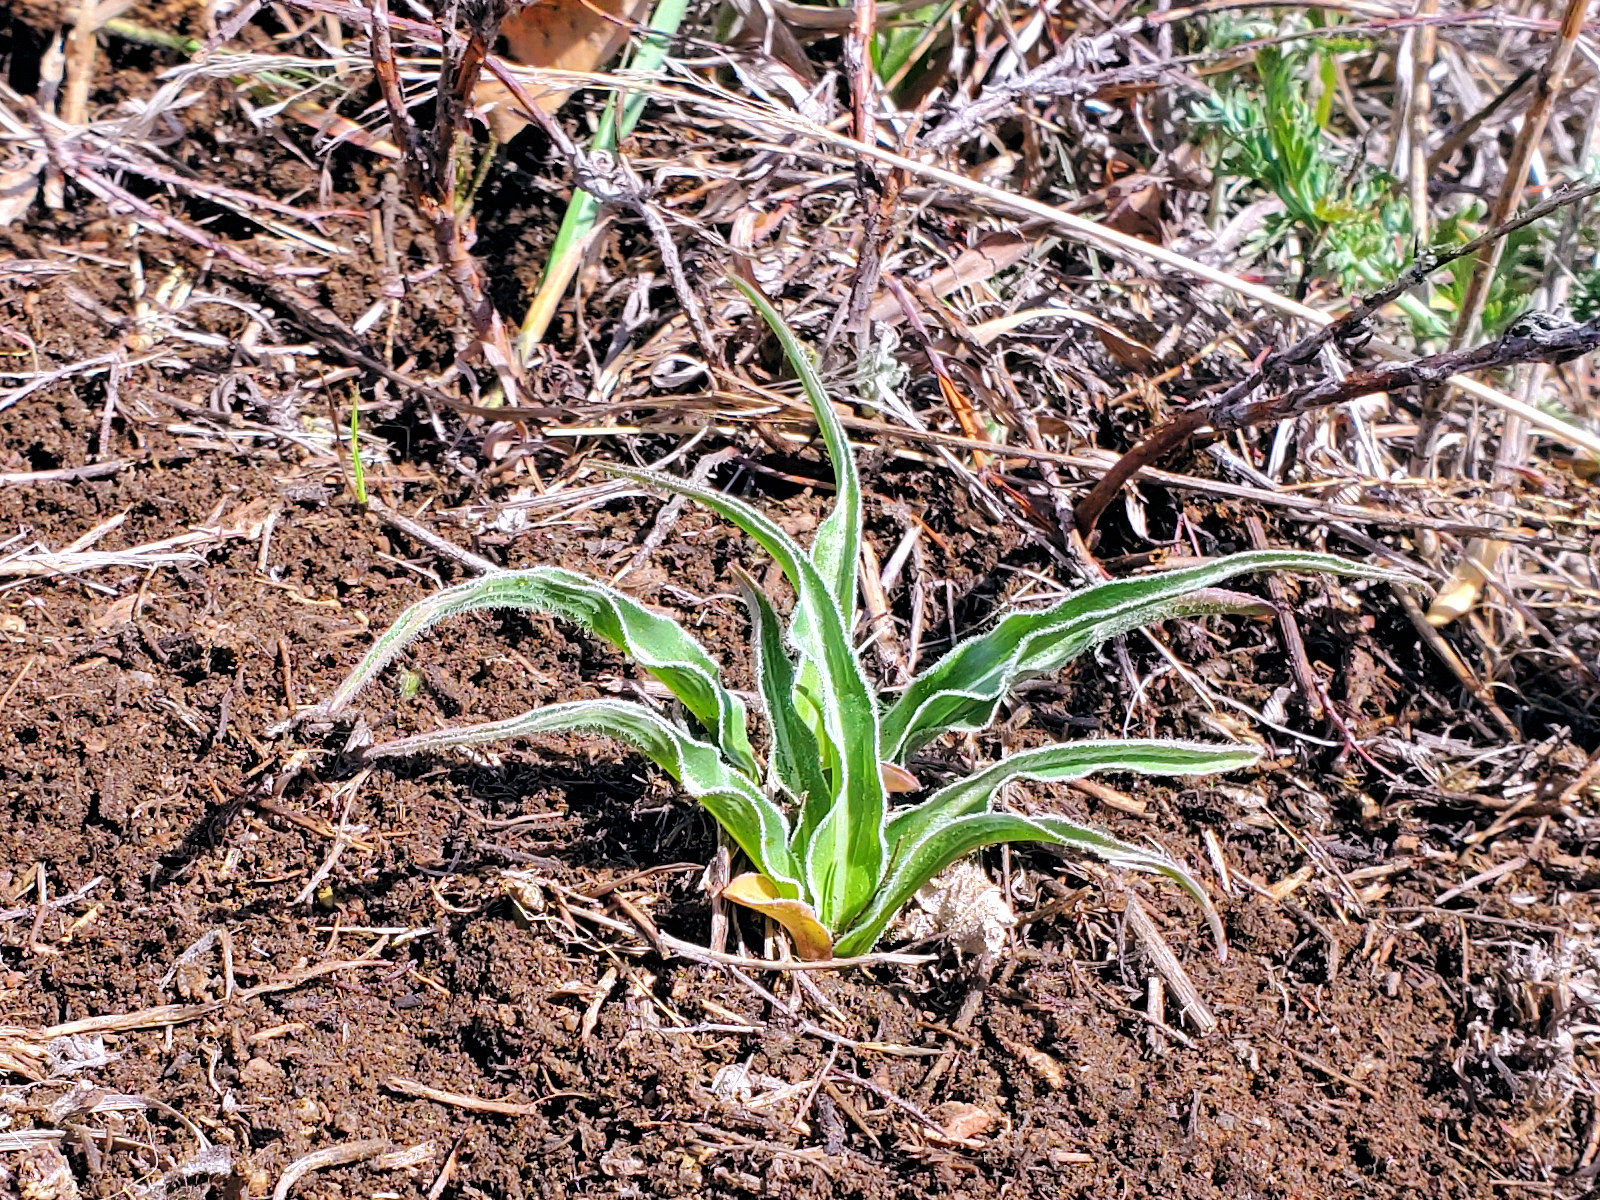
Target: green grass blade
(358, 474)
(577, 223)
(1059, 764)
(936, 851)
(895, 49)
(845, 857)
(658, 644)
(796, 758)
(621, 114)
(756, 824)
(837, 549)
(962, 690)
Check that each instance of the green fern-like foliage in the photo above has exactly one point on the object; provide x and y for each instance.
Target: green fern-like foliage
(1516, 275)
(1352, 219)
(1585, 297)
(1354, 223)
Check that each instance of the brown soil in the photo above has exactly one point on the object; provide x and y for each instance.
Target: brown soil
(113, 767)
(1353, 1054)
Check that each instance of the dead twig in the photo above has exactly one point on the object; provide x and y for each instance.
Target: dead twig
(1496, 872)
(447, 1172)
(431, 166)
(65, 157)
(71, 898)
(16, 680)
(1424, 46)
(22, 1050)
(1462, 134)
(1288, 628)
(1170, 969)
(1470, 314)
(880, 621)
(1529, 340)
(1446, 653)
(34, 945)
(384, 1155)
(342, 837)
(1098, 234)
(1332, 1072)
(97, 470)
(418, 532)
(286, 666)
(667, 516)
(81, 56)
(885, 1094)
(503, 1108)
(878, 197)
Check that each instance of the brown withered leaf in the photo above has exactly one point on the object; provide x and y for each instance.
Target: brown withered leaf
(556, 35)
(963, 1122)
(19, 184)
(811, 940)
(119, 612)
(993, 254)
(1135, 208)
(1045, 1067)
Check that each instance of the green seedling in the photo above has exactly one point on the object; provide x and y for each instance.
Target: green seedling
(1353, 223)
(832, 860)
(358, 473)
(1517, 273)
(1585, 302)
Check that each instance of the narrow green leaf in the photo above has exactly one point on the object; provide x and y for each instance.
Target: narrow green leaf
(1059, 764)
(962, 690)
(961, 837)
(795, 756)
(894, 48)
(658, 644)
(756, 824)
(837, 549)
(846, 855)
(358, 472)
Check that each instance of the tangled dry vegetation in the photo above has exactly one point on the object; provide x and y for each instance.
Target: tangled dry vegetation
(312, 307)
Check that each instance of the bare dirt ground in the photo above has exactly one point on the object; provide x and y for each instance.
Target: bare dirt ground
(1343, 1062)
(260, 970)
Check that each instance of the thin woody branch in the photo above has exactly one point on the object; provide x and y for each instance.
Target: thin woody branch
(428, 165)
(405, 134)
(1529, 340)
(1425, 264)
(67, 156)
(1166, 438)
